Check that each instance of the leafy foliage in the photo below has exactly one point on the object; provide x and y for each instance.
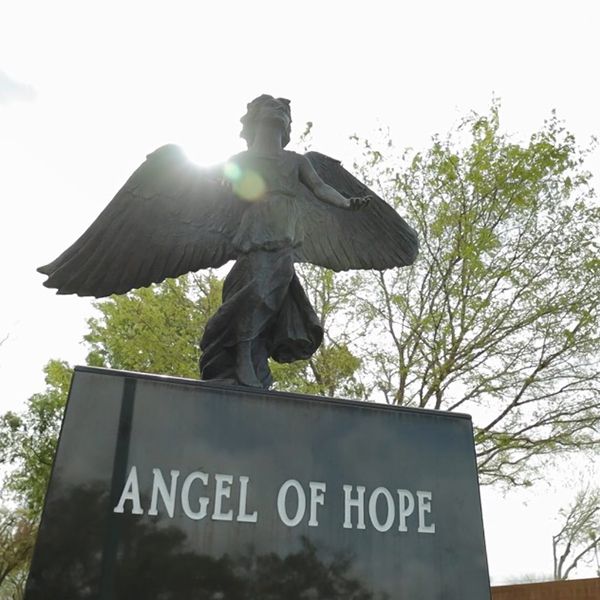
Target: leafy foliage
(155, 329)
(27, 445)
(17, 533)
(499, 315)
(28, 440)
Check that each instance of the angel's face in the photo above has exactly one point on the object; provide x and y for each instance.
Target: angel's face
(273, 110)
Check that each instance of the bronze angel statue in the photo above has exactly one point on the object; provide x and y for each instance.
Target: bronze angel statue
(266, 208)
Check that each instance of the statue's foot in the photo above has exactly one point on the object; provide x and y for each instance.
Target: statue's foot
(244, 367)
(248, 379)
(223, 381)
(233, 381)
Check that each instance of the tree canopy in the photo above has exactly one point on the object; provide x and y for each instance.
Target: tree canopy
(499, 315)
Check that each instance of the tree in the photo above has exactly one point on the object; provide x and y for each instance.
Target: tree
(17, 535)
(27, 446)
(499, 315)
(579, 536)
(28, 440)
(155, 329)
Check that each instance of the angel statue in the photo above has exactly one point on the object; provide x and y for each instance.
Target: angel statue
(266, 208)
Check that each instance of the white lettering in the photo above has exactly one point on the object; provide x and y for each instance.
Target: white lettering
(222, 490)
(424, 501)
(317, 496)
(381, 491)
(168, 497)
(281, 501)
(406, 506)
(243, 516)
(185, 496)
(131, 491)
(198, 495)
(358, 503)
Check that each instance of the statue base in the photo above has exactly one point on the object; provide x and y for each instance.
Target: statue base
(167, 488)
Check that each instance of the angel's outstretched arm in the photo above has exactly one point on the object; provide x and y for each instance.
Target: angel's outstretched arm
(325, 192)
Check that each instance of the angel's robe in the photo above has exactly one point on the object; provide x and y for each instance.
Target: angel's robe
(264, 304)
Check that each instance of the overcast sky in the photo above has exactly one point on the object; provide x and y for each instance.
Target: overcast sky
(87, 89)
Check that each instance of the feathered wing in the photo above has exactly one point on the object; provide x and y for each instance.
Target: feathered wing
(169, 218)
(374, 237)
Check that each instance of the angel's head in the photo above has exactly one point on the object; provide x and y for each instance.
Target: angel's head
(272, 109)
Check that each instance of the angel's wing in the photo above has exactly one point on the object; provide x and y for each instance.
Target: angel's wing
(169, 218)
(374, 237)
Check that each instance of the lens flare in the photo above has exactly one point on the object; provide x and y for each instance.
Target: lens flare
(232, 172)
(247, 184)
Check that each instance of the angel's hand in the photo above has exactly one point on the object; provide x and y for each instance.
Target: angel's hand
(357, 203)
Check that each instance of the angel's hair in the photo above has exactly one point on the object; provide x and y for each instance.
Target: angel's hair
(249, 119)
